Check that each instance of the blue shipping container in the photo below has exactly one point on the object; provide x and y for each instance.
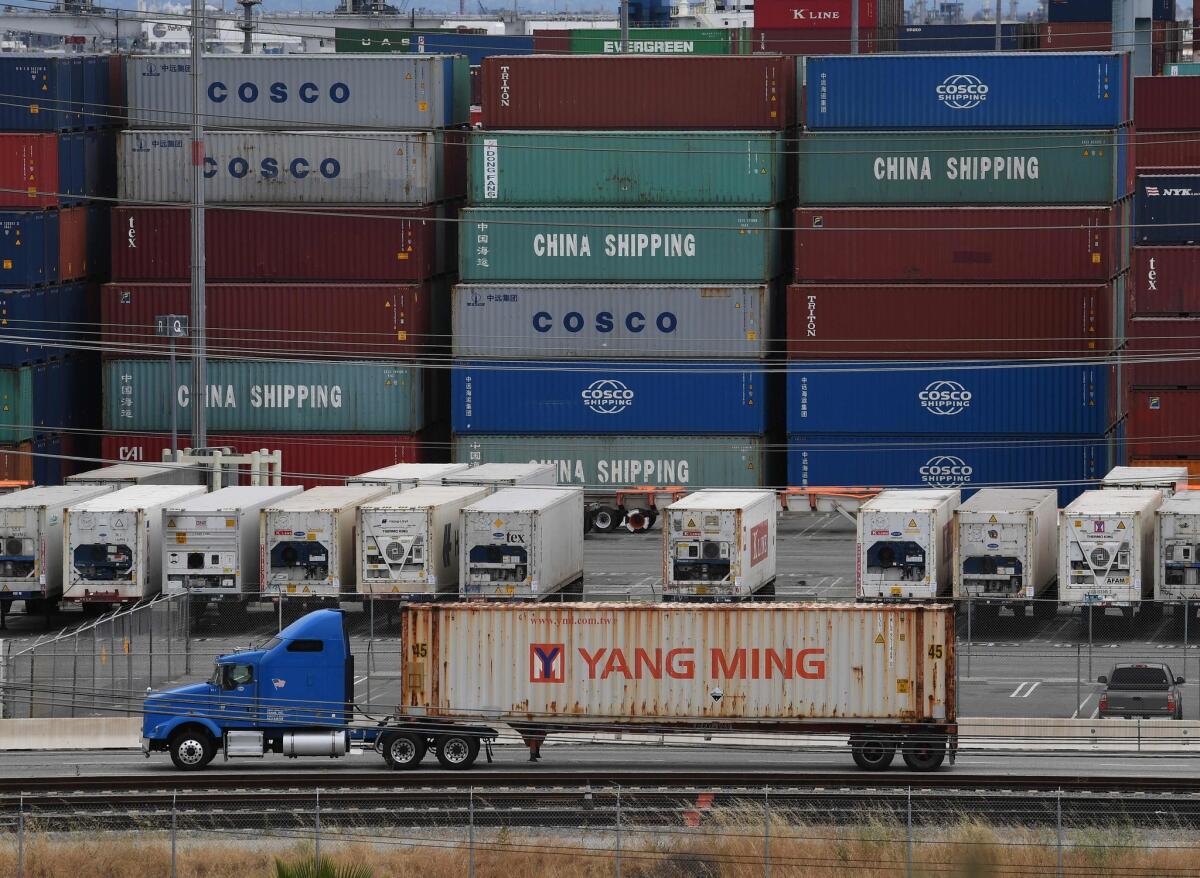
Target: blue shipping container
(35, 322)
(948, 398)
(1071, 465)
(28, 248)
(1042, 90)
(955, 38)
(555, 398)
(475, 46)
(38, 93)
(1167, 207)
(1100, 10)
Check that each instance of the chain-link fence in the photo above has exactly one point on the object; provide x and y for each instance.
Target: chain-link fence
(607, 831)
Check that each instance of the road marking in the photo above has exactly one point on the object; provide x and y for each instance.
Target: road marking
(1082, 704)
(1018, 693)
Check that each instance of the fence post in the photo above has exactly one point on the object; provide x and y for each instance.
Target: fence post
(4, 694)
(317, 824)
(21, 837)
(767, 832)
(618, 851)
(970, 638)
(909, 870)
(471, 833)
(74, 672)
(187, 632)
(1058, 830)
(127, 646)
(1078, 682)
(173, 812)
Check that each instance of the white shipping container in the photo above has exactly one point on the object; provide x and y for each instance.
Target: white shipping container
(126, 474)
(210, 543)
(1177, 548)
(112, 544)
(1167, 479)
(905, 544)
(522, 542)
(408, 543)
(1106, 548)
(505, 475)
(1006, 547)
(31, 524)
(306, 542)
(403, 476)
(720, 544)
(288, 167)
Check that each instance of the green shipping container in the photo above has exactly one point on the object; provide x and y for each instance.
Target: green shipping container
(608, 462)
(353, 39)
(646, 168)
(977, 167)
(16, 404)
(277, 396)
(653, 41)
(1185, 68)
(611, 245)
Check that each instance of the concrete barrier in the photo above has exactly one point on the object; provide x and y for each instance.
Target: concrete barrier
(80, 733)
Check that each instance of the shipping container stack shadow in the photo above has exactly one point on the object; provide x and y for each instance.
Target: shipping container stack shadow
(56, 179)
(330, 251)
(1161, 356)
(962, 247)
(619, 261)
(1087, 26)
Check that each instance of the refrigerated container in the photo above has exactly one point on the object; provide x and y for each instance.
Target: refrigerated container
(408, 543)
(720, 545)
(522, 542)
(405, 476)
(31, 534)
(1006, 550)
(905, 545)
(125, 475)
(1177, 548)
(1165, 280)
(1167, 479)
(1168, 209)
(306, 542)
(1106, 549)
(112, 544)
(504, 475)
(1166, 103)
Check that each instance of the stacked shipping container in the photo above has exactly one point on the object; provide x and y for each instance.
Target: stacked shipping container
(954, 309)
(327, 256)
(623, 337)
(1087, 26)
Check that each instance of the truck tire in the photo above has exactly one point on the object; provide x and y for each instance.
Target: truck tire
(607, 519)
(637, 521)
(192, 748)
(927, 755)
(457, 752)
(872, 754)
(403, 751)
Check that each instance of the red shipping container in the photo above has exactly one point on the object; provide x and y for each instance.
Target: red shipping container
(1166, 103)
(1173, 151)
(29, 170)
(1165, 280)
(961, 244)
(338, 244)
(639, 91)
(283, 320)
(812, 14)
(73, 243)
(935, 322)
(810, 42)
(1162, 352)
(1075, 36)
(308, 459)
(552, 42)
(1163, 423)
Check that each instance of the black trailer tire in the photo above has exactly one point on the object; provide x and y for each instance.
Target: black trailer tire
(872, 754)
(456, 752)
(927, 755)
(402, 751)
(192, 748)
(608, 519)
(589, 520)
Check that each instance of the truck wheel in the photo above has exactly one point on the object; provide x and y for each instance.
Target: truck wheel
(589, 520)
(926, 756)
(457, 752)
(607, 520)
(872, 755)
(403, 751)
(637, 521)
(192, 749)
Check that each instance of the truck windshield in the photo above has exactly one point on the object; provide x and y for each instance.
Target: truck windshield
(1139, 678)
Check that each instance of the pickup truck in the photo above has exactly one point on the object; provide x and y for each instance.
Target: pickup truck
(1147, 691)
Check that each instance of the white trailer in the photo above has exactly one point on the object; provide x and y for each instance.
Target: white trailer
(1177, 548)
(1167, 479)
(408, 543)
(403, 476)
(522, 543)
(720, 544)
(31, 525)
(505, 475)
(210, 544)
(905, 544)
(1006, 550)
(126, 474)
(307, 542)
(1106, 549)
(112, 544)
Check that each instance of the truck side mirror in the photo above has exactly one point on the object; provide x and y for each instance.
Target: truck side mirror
(1179, 681)
(1102, 679)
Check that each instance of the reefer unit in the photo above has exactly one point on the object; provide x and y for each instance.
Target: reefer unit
(295, 167)
(588, 322)
(405, 476)
(503, 475)
(1177, 548)
(125, 475)
(985, 90)
(31, 526)
(408, 543)
(635, 168)
(280, 92)
(307, 542)
(1106, 548)
(1165, 280)
(905, 544)
(1167, 103)
(524, 542)
(954, 167)
(1168, 209)
(1167, 479)
(608, 245)
(1006, 548)
(719, 544)
(210, 543)
(112, 544)
(625, 397)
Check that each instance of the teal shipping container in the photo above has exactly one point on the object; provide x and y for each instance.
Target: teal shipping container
(636, 245)
(954, 167)
(271, 396)
(637, 168)
(606, 462)
(16, 404)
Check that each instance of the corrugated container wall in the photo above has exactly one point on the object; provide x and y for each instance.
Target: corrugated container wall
(44, 322)
(957, 38)
(610, 321)
(283, 92)
(251, 167)
(651, 41)
(641, 168)
(671, 92)
(1077, 36)
(1166, 103)
(40, 247)
(968, 91)
(48, 170)
(1075, 11)
(1164, 421)
(1161, 352)
(249, 395)
(1167, 149)
(804, 42)
(816, 16)
(1165, 280)
(1168, 208)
